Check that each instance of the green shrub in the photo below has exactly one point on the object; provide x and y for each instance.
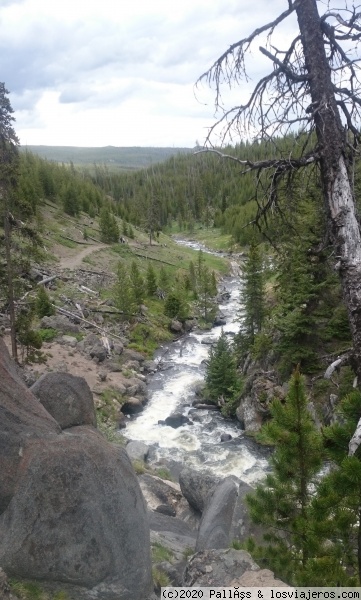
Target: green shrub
(43, 307)
(48, 334)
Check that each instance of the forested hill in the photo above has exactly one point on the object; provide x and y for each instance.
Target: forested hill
(114, 157)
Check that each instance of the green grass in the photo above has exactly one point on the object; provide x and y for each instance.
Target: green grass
(29, 590)
(161, 554)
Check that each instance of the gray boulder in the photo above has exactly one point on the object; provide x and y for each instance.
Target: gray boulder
(99, 352)
(60, 323)
(197, 487)
(216, 524)
(86, 524)
(67, 399)
(22, 419)
(72, 514)
(137, 450)
(176, 420)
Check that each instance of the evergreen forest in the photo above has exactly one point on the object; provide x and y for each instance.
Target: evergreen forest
(292, 322)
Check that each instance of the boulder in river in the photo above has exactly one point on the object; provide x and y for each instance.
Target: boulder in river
(176, 420)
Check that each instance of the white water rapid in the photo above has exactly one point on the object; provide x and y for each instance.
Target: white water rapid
(171, 389)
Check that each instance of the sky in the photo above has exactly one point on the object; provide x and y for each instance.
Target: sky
(120, 72)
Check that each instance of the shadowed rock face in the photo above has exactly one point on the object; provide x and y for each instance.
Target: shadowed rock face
(66, 398)
(22, 419)
(73, 513)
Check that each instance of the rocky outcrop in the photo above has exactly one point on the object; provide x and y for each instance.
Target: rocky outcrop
(260, 389)
(5, 593)
(22, 420)
(216, 524)
(227, 568)
(67, 399)
(217, 568)
(73, 514)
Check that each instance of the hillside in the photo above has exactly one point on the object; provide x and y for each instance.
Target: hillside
(114, 157)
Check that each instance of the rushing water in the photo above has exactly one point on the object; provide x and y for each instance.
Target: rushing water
(172, 388)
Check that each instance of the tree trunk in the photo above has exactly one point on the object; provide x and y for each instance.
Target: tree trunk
(343, 227)
(9, 269)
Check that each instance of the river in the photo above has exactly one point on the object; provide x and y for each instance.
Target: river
(172, 388)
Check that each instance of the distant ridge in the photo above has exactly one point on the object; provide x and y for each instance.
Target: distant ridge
(134, 157)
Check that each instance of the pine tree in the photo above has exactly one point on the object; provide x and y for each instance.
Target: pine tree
(43, 307)
(109, 230)
(221, 377)
(337, 506)
(123, 292)
(151, 280)
(252, 294)
(281, 502)
(137, 283)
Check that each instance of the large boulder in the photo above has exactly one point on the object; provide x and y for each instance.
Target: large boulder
(216, 524)
(197, 487)
(60, 323)
(72, 512)
(259, 391)
(22, 419)
(67, 398)
(86, 523)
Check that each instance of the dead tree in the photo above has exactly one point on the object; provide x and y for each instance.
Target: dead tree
(313, 88)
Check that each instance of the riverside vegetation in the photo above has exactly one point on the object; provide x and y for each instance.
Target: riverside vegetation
(292, 318)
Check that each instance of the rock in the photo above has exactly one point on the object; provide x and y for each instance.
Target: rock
(259, 391)
(99, 352)
(137, 450)
(122, 420)
(207, 341)
(217, 568)
(60, 323)
(190, 324)
(176, 326)
(158, 492)
(197, 487)
(261, 578)
(67, 399)
(226, 437)
(69, 340)
(198, 388)
(165, 509)
(117, 348)
(176, 420)
(131, 365)
(150, 366)
(5, 588)
(216, 524)
(113, 366)
(132, 406)
(132, 355)
(201, 406)
(102, 376)
(242, 524)
(86, 524)
(219, 321)
(22, 419)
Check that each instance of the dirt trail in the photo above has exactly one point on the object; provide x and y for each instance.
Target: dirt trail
(71, 262)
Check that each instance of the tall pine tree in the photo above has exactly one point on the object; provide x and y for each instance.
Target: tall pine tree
(281, 503)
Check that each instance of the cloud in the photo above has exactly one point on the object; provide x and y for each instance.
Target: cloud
(134, 63)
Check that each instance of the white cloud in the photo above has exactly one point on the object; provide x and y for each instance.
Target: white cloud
(90, 72)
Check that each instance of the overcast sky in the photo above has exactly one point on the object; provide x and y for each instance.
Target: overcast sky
(119, 72)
